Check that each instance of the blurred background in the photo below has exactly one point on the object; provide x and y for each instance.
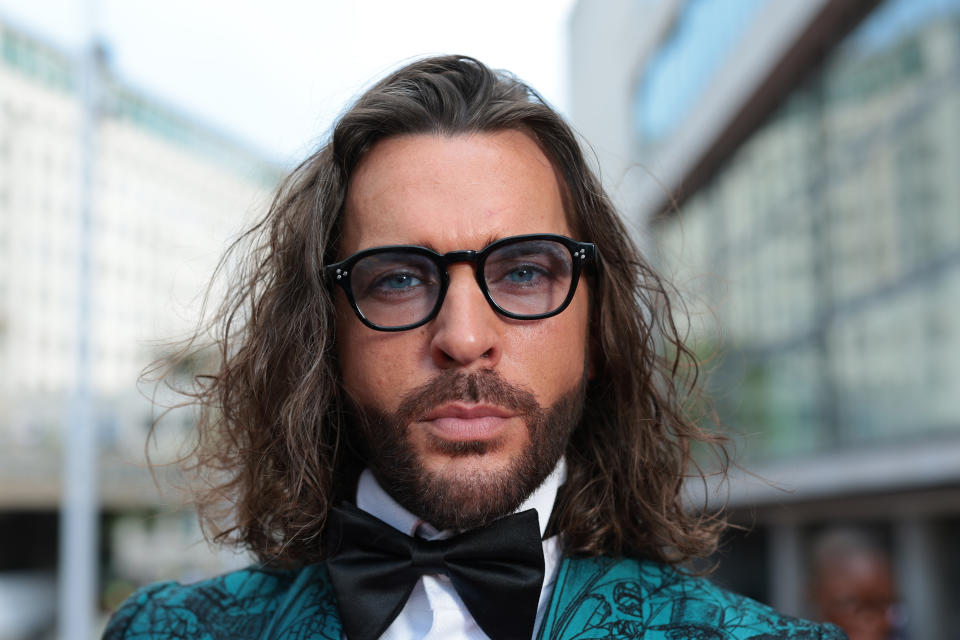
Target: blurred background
(811, 151)
(793, 166)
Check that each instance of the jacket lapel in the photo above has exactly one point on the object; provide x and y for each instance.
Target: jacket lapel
(309, 611)
(573, 605)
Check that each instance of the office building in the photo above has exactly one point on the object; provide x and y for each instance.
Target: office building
(793, 167)
(168, 193)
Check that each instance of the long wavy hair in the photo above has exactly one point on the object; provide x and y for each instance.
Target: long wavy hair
(273, 443)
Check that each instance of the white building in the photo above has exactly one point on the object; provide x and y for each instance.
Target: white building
(168, 194)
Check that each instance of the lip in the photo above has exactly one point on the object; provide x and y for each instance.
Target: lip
(468, 422)
(468, 412)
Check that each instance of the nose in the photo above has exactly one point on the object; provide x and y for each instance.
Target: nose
(466, 332)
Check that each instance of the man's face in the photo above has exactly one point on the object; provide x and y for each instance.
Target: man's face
(859, 595)
(465, 415)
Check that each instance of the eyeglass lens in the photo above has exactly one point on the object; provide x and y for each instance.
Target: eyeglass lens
(399, 288)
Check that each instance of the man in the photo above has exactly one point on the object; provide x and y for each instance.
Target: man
(853, 585)
(441, 410)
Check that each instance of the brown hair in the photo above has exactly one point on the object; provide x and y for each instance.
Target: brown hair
(273, 442)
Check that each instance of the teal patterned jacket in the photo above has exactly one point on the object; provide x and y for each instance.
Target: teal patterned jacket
(593, 598)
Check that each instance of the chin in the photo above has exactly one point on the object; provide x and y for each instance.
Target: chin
(470, 492)
(473, 459)
(458, 485)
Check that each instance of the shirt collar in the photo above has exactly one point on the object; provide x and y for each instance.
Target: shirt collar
(372, 498)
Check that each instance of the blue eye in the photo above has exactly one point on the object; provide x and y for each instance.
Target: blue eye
(522, 275)
(398, 281)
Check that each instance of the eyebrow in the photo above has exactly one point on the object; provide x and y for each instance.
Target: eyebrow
(490, 239)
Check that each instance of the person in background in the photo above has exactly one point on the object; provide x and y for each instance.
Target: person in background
(852, 585)
(452, 400)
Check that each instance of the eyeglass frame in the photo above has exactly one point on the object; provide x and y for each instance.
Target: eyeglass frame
(581, 253)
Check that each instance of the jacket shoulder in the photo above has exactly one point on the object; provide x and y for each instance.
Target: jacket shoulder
(254, 602)
(630, 598)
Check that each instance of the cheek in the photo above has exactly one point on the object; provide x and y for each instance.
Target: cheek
(377, 367)
(357, 371)
(552, 355)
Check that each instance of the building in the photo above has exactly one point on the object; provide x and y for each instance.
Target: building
(793, 167)
(168, 193)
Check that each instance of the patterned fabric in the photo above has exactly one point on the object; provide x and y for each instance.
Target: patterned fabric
(250, 603)
(594, 598)
(603, 598)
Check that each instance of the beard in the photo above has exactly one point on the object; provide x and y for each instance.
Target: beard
(476, 497)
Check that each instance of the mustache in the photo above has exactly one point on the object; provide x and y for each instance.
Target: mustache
(486, 386)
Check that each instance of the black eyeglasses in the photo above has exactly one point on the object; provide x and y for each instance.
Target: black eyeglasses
(401, 287)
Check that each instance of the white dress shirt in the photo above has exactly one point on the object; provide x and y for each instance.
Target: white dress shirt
(434, 611)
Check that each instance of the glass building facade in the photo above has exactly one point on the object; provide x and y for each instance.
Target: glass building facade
(824, 256)
(680, 71)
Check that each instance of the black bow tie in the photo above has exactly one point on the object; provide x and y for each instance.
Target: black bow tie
(497, 570)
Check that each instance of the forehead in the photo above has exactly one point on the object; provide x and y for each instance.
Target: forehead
(452, 192)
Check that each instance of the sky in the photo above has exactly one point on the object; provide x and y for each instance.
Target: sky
(276, 74)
